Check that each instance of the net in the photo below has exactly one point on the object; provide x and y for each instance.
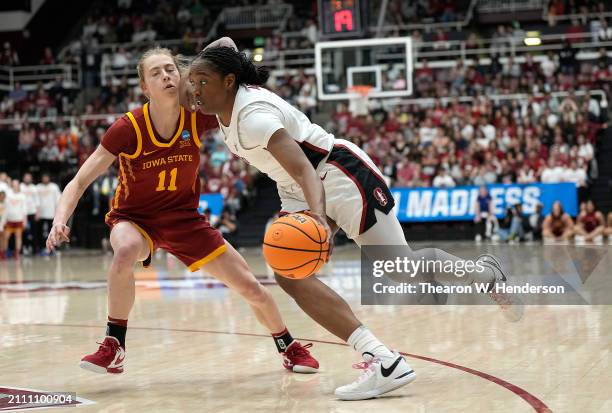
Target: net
(359, 100)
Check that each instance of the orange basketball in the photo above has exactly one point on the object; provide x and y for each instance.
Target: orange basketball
(295, 246)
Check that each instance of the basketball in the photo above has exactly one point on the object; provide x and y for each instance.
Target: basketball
(295, 246)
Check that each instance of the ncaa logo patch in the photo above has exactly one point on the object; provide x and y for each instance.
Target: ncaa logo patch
(380, 196)
(185, 135)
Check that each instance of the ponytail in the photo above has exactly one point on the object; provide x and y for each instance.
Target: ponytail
(226, 60)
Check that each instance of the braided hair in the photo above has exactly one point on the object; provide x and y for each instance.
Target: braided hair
(226, 60)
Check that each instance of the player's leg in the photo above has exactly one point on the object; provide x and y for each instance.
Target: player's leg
(18, 241)
(231, 269)
(7, 237)
(191, 239)
(322, 304)
(129, 246)
(2, 244)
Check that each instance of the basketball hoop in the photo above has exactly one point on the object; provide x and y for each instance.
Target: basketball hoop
(359, 99)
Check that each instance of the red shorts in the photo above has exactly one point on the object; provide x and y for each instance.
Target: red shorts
(13, 226)
(185, 234)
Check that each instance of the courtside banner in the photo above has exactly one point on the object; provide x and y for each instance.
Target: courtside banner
(214, 202)
(457, 204)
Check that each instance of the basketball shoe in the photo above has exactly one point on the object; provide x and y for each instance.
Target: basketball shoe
(511, 305)
(108, 359)
(298, 359)
(380, 375)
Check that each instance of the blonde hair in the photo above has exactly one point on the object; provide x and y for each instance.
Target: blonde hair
(151, 52)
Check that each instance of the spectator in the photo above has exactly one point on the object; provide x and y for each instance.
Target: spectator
(228, 225)
(311, 33)
(585, 149)
(558, 225)
(590, 225)
(553, 173)
(483, 215)
(48, 195)
(511, 225)
(535, 222)
(604, 34)
(549, 65)
(443, 179)
(9, 56)
(608, 229)
(567, 59)
(28, 188)
(2, 234)
(15, 217)
(48, 58)
(578, 176)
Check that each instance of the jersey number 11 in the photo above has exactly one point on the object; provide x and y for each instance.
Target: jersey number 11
(162, 181)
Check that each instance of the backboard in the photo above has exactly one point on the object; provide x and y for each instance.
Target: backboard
(383, 64)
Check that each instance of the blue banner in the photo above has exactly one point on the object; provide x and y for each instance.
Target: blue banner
(458, 204)
(214, 202)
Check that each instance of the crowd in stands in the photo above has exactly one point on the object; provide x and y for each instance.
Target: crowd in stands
(449, 143)
(543, 138)
(540, 138)
(589, 227)
(577, 9)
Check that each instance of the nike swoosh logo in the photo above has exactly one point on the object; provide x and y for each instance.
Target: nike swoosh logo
(324, 176)
(386, 372)
(149, 153)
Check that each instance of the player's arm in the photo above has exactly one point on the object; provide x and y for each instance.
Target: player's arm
(291, 157)
(93, 167)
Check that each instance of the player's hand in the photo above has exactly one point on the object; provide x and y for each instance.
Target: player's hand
(59, 234)
(322, 219)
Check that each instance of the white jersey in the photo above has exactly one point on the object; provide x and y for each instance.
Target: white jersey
(15, 207)
(48, 196)
(257, 115)
(31, 194)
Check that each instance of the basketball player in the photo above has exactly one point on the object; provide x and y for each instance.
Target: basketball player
(155, 206)
(332, 179)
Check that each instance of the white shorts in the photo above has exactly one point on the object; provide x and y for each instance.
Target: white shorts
(356, 194)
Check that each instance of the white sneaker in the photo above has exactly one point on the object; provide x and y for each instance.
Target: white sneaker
(380, 375)
(511, 305)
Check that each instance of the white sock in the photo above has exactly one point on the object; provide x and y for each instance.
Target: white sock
(364, 341)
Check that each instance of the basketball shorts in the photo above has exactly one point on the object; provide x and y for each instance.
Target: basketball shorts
(354, 191)
(13, 226)
(185, 234)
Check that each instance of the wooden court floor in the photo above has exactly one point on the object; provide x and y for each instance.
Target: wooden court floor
(194, 346)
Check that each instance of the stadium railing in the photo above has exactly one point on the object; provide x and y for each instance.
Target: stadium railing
(31, 76)
(255, 17)
(429, 102)
(430, 27)
(502, 6)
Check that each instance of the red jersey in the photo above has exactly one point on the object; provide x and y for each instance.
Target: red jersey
(155, 175)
